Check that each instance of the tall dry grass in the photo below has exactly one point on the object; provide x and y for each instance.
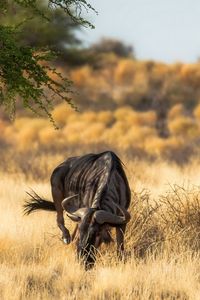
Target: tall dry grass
(162, 241)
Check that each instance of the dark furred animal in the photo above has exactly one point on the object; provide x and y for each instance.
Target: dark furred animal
(94, 192)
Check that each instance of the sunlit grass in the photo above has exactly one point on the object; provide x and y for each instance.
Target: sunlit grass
(162, 259)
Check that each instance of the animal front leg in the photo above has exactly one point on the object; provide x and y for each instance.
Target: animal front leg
(74, 234)
(60, 221)
(58, 196)
(120, 231)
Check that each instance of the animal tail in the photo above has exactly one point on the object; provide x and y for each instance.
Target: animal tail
(35, 203)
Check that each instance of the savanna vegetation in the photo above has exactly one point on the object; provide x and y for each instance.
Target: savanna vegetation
(162, 240)
(144, 109)
(147, 112)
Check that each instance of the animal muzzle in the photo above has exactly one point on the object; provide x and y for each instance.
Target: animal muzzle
(87, 255)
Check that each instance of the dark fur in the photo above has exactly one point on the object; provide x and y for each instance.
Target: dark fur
(98, 179)
(75, 181)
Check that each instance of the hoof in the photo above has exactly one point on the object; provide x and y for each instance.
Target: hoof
(66, 241)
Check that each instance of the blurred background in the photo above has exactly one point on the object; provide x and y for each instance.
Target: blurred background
(136, 83)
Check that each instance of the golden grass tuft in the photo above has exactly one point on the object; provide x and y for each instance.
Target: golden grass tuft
(176, 111)
(81, 76)
(89, 117)
(93, 133)
(105, 117)
(162, 147)
(51, 137)
(61, 113)
(197, 112)
(125, 71)
(184, 126)
(27, 132)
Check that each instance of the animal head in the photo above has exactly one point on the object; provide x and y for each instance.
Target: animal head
(91, 224)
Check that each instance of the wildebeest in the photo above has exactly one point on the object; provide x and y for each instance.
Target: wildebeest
(93, 190)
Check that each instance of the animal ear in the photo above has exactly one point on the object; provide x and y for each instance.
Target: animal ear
(73, 212)
(78, 215)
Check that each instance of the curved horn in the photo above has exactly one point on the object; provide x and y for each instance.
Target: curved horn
(66, 205)
(103, 216)
(78, 214)
(74, 213)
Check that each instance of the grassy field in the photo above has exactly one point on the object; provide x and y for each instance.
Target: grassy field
(162, 241)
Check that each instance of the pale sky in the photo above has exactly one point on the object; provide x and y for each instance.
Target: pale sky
(164, 30)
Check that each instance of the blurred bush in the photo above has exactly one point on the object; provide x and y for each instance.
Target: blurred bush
(143, 85)
(184, 126)
(144, 108)
(124, 129)
(107, 45)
